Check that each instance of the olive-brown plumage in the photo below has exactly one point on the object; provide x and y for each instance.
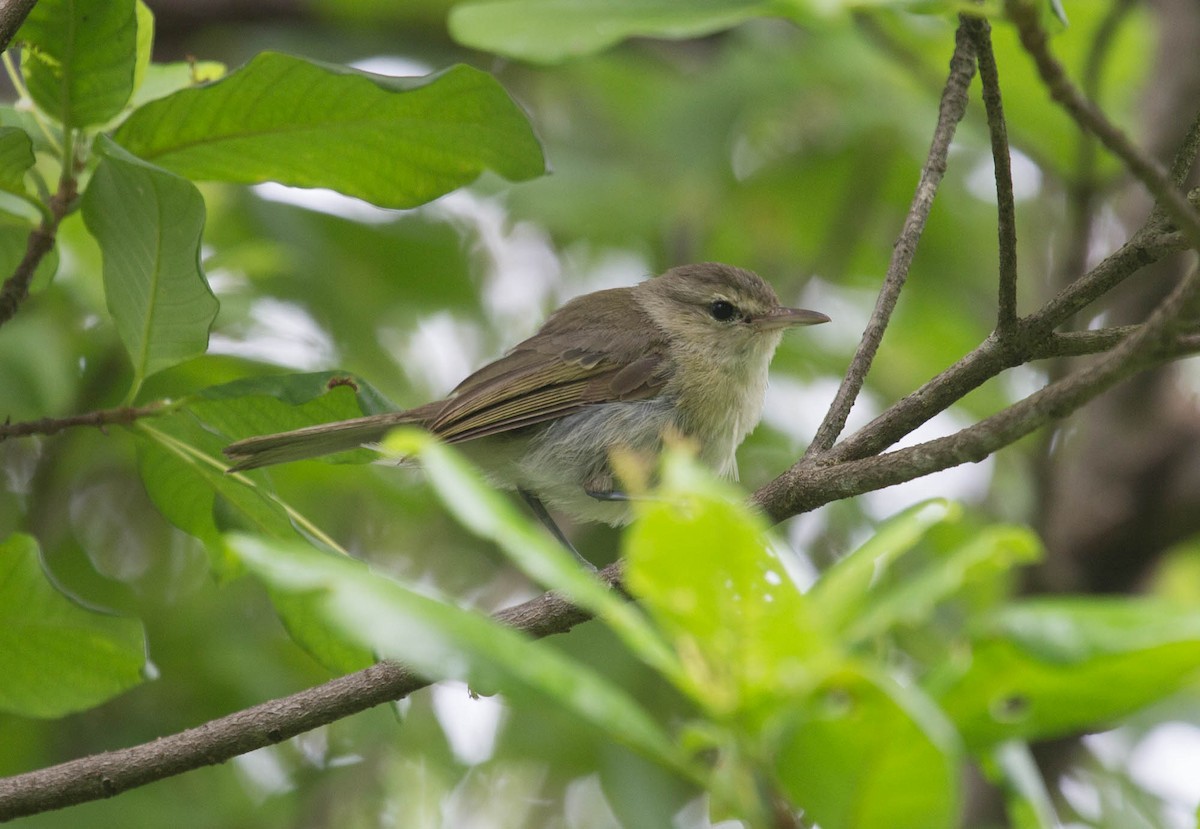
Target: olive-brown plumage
(686, 353)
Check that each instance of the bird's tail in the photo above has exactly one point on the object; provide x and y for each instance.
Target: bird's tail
(314, 441)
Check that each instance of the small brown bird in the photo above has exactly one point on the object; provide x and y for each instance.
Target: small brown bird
(685, 353)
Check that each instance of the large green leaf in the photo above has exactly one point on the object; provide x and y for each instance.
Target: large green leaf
(80, 58)
(699, 561)
(148, 223)
(549, 31)
(440, 641)
(57, 656)
(396, 142)
(1048, 667)
(866, 752)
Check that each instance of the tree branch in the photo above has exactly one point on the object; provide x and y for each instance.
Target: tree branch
(41, 242)
(112, 772)
(123, 415)
(806, 487)
(12, 15)
(1025, 15)
(1006, 214)
(950, 112)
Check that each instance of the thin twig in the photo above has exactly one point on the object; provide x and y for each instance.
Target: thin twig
(1185, 159)
(806, 487)
(112, 772)
(1025, 15)
(1006, 214)
(950, 112)
(41, 242)
(123, 415)
(994, 354)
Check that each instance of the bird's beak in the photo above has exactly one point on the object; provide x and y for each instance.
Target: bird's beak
(786, 318)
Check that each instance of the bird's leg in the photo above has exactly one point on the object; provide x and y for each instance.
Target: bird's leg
(539, 510)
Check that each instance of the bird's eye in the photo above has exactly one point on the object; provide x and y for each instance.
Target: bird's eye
(722, 310)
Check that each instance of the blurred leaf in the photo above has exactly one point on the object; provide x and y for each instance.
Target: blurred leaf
(698, 560)
(145, 43)
(989, 551)
(1047, 667)
(80, 58)
(486, 512)
(302, 616)
(395, 142)
(56, 656)
(162, 79)
(16, 157)
(148, 223)
(1029, 804)
(550, 31)
(439, 641)
(843, 592)
(867, 752)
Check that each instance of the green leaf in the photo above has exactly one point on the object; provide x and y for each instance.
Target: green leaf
(396, 142)
(843, 591)
(144, 44)
(698, 560)
(16, 157)
(550, 31)
(912, 599)
(1047, 667)
(490, 515)
(440, 641)
(148, 223)
(162, 79)
(866, 752)
(183, 471)
(56, 656)
(280, 403)
(80, 58)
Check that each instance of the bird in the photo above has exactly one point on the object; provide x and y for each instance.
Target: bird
(682, 354)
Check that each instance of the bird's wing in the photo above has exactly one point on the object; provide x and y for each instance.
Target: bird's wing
(574, 361)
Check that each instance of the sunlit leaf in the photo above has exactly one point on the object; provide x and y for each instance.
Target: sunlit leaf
(698, 559)
(395, 142)
(80, 58)
(56, 656)
(148, 223)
